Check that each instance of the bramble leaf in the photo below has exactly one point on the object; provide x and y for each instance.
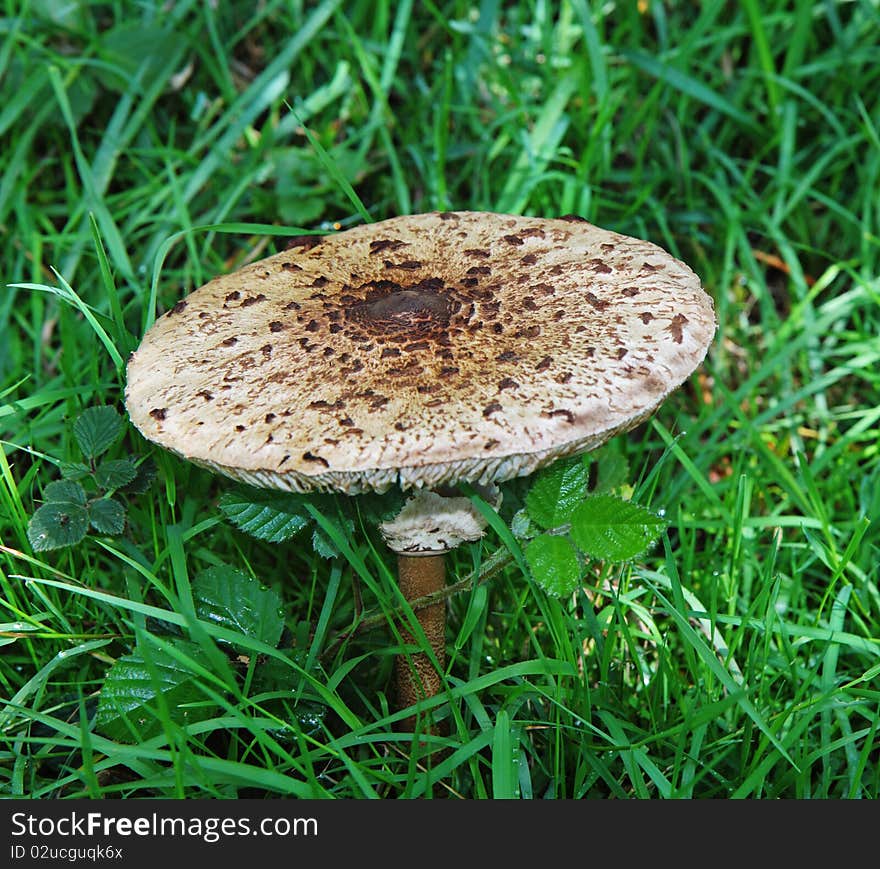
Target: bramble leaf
(64, 492)
(107, 516)
(554, 564)
(557, 490)
(237, 601)
(56, 525)
(128, 710)
(321, 542)
(96, 429)
(145, 473)
(115, 473)
(272, 516)
(74, 470)
(609, 528)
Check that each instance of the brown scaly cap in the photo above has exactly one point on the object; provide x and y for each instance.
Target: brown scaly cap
(420, 350)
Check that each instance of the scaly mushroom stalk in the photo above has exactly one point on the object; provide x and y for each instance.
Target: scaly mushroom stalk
(428, 526)
(415, 676)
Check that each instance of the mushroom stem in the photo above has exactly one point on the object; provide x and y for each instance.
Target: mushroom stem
(416, 676)
(428, 525)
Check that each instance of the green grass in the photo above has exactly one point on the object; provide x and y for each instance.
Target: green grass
(148, 147)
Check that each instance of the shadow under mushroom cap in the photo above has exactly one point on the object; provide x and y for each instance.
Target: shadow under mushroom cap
(420, 350)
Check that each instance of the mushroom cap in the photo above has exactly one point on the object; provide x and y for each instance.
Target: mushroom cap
(421, 350)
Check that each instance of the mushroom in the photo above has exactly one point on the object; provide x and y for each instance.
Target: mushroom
(428, 526)
(422, 352)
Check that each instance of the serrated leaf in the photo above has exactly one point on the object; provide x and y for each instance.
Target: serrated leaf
(271, 516)
(234, 600)
(56, 525)
(128, 695)
(554, 564)
(557, 490)
(74, 470)
(64, 492)
(612, 529)
(321, 542)
(145, 473)
(107, 516)
(115, 473)
(96, 429)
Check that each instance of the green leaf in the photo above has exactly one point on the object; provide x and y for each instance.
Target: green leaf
(115, 473)
(107, 516)
(74, 470)
(128, 708)
(557, 490)
(145, 473)
(96, 429)
(321, 542)
(234, 600)
(271, 516)
(57, 525)
(612, 529)
(554, 564)
(64, 492)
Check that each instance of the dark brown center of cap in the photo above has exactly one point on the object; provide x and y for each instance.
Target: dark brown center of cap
(393, 308)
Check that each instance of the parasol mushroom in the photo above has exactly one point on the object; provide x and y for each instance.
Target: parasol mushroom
(421, 352)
